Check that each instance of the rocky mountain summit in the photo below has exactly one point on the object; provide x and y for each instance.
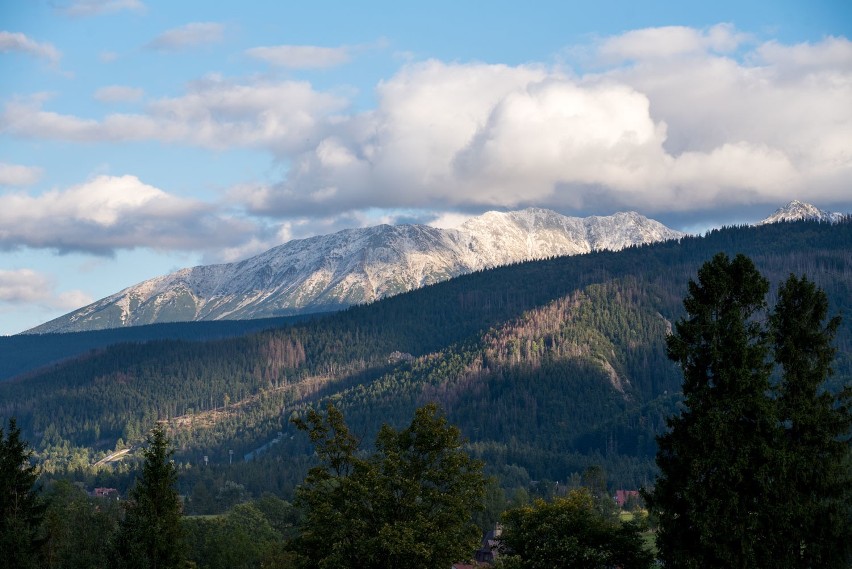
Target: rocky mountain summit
(796, 210)
(329, 272)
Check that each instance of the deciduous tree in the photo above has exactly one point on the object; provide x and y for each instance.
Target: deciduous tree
(408, 504)
(570, 532)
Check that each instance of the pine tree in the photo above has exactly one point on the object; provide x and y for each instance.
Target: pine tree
(150, 536)
(814, 490)
(20, 509)
(716, 460)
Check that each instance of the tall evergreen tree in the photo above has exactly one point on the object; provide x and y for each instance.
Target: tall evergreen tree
(20, 509)
(716, 459)
(151, 536)
(814, 493)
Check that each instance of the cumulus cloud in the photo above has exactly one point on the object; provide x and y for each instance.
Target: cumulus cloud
(301, 56)
(118, 94)
(680, 124)
(188, 36)
(670, 41)
(15, 41)
(26, 287)
(108, 213)
(18, 175)
(85, 8)
(214, 113)
(672, 119)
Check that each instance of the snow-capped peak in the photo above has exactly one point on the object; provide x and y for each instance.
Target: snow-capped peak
(796, 211)
(352, 266)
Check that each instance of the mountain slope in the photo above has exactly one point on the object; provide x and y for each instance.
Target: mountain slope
(546, 366)
(356, 266)
(797, 211)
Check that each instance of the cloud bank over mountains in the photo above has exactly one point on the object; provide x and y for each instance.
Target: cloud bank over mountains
(659, 119)
(108, 213)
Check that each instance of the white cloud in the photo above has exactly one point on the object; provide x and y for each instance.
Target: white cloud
(214, 113)
(682, 126)
(17, 175)
(119, 94)
(670, 41)
(449, 220)
(108, 213)
(85, 8)
(12, 41)
(26, 287)
(832, 54)
(301, 56)
(187, 36)
(675, 119)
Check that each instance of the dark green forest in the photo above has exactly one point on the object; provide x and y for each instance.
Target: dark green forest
(547, 367)
(23, 353)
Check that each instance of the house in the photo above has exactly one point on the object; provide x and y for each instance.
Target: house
(622, 496)
(489, 550)
(109, 493)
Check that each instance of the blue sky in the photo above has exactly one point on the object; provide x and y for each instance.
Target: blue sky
(140, 136)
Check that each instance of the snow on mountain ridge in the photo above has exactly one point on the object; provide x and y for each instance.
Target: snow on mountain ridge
(796, 210)
(357, 265)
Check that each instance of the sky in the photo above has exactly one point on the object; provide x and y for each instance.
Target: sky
(142, 136)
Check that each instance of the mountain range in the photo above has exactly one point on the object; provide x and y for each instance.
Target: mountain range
(548, 367)
(357, 266)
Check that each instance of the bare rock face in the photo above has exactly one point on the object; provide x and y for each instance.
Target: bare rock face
(353, 266)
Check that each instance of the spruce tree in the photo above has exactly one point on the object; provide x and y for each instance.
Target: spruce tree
(151, 536)
(755, 473)
(814, 490)
(716, 459)
(20, 509)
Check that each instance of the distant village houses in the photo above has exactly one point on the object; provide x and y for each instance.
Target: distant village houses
(624, 496)
(108, 493)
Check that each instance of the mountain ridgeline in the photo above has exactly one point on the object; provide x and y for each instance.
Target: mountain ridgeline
(354, 266)
(547, 366)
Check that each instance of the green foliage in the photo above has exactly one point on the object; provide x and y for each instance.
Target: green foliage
(753, 473)
(547, 367)
(814, 483)
(20, 508)
(408, 504)
(244, 538)
(150, 536)
(76, 528)
(570, 532)
(716, 460)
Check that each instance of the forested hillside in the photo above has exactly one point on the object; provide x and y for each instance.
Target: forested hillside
(547, 367)
(24, 353)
